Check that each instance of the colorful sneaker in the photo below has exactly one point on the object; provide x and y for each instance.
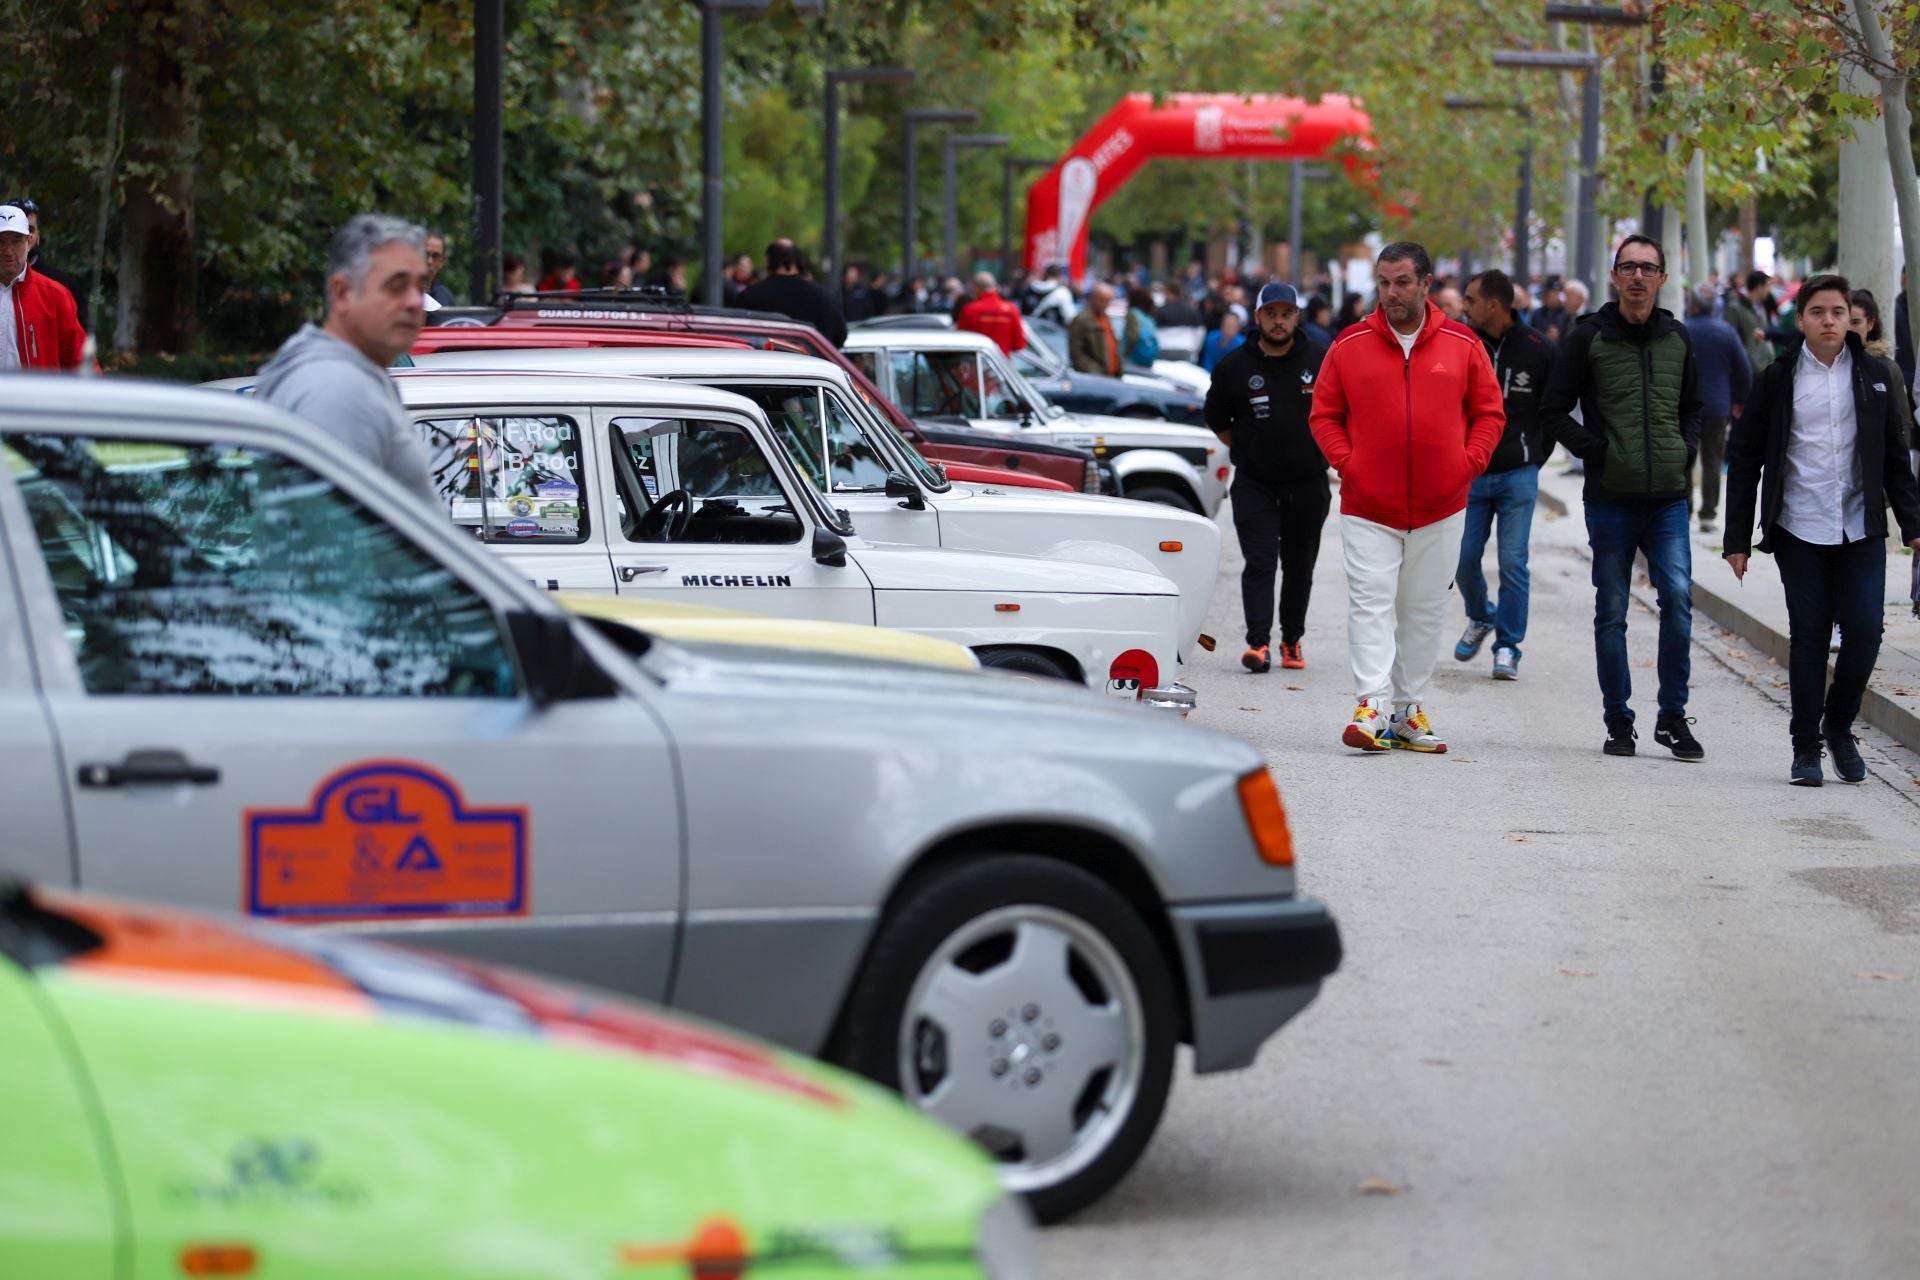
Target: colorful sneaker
(1620, 736)
(1806, 768)
(1257, 659)
(1470, 641)
(1671, 732)
(1412, 731)
(1291, 658)
(1368, 726)
(1506, 664)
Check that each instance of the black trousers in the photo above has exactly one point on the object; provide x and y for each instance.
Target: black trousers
(1825, 585)
(1279, 528)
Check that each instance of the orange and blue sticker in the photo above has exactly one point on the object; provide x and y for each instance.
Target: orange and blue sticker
(385, 839)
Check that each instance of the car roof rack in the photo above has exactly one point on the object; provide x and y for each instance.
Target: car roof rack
(639, 299)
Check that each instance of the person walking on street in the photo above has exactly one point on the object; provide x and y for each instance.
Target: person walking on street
(1550, 317)
(1823, 443)
(789, 293)
(989, 313)
(1259, 404)
(335, 374)
(1745, 310)
(1725, 377)
(1407, 411)
(1522, 364)
(1222, 342)
(1092, 345)
(42, 262)
(39, 324)
(436, 259)
(1630, 370)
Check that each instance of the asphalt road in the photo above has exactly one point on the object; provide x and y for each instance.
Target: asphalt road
(1598, 1017)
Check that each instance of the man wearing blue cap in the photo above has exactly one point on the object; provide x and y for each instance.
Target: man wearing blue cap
(1259, 402)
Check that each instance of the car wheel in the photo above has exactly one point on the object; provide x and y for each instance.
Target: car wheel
(1025, 1003)
(1026, 662)
(1165, 495)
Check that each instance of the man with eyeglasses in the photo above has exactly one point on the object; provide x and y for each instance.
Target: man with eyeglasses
(1629, 367)
(436, 259)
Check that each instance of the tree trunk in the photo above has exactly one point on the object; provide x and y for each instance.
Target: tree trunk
(1867, 244)
(1898, 123)
(1699, 234)
(159, 256)
(1749, 232)
(1674, 296)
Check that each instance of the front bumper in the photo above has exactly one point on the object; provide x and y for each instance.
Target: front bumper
(1175, 698)
(1251, 966)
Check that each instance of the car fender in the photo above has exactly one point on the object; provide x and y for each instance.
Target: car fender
(1134, 466)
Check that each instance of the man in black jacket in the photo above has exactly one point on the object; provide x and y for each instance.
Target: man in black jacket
(785, 291)
(1522, 361)
(1259, 402)
(1823, 441)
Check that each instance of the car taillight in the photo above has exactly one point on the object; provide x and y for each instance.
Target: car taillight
(1266, 818)
(1090, 480)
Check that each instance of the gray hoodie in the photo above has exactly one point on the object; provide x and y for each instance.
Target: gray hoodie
(329, 383)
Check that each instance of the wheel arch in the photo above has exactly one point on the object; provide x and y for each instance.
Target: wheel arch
(1075, 669)
(1142, 468)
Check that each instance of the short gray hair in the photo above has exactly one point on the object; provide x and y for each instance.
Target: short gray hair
(1585, 293)
(351, 250)
(984, 281)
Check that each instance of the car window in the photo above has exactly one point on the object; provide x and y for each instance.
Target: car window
(695, 480)
(936, 383)
(213, 569)
(997, 395)
(852, 459)
(509, 479)
(794, 414)
(868, 362)
(1027, 365)
(878, 424)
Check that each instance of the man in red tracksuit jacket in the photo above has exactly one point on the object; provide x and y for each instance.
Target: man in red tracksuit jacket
(993, 315)
(39, 328)
(1408, 412)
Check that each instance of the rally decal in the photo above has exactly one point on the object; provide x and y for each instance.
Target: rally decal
(736, 580)
(385, 839)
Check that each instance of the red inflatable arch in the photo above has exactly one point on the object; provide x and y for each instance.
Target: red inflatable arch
(1193, 125)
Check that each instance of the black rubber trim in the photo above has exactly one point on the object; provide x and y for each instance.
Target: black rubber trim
(1265, 955)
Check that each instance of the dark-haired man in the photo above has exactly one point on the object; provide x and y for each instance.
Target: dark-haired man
(1629, 368)
(789, 293)
(1522, 364)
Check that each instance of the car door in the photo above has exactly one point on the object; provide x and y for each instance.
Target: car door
(515, 478)
(268, 695)
(709, 516)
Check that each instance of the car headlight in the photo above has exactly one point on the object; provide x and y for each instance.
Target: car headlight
(1007, 1249)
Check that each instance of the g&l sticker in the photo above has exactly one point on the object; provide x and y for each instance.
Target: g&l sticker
(386, 839)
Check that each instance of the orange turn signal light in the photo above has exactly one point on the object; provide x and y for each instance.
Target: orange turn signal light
(1173, 546)
(1006, 608)
(1266, 818)
(218, 1260)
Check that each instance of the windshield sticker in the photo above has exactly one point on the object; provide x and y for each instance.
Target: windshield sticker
(522, 528)
(1132, 673)
(385, 840)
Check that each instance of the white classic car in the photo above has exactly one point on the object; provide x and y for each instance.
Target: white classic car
(671, 491)
(947, 373)
(856, 458)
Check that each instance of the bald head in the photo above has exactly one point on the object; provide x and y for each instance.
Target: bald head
(984, 283)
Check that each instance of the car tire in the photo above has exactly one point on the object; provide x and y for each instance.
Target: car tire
(960, 975)
(1165, 495)
(1026, 662)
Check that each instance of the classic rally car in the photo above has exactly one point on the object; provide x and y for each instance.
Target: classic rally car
(239, 667)
(858, 461)
(188, 1096)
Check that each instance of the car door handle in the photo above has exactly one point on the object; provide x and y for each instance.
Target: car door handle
(628, 572)
(148, 769)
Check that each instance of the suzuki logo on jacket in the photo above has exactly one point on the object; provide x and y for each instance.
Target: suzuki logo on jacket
(1407, 432)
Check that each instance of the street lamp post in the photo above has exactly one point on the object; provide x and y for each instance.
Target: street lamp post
(830, 263)
(1007, 165)
(949, 176)
(1587, 237)
(911, 175)
(489, 166)
(1523, 202)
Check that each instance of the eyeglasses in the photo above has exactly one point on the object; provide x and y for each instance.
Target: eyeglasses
(1638, 269)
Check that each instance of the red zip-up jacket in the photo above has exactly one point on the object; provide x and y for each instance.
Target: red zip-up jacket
(46, 323)
(996, 317)
(1406, 433)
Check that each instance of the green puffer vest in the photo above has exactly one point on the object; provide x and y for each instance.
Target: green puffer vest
(1637, 391)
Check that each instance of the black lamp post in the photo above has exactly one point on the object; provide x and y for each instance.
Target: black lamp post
(911, 173)
(949, 178)
(1523, 202)
(830, 263)
(1587, 238)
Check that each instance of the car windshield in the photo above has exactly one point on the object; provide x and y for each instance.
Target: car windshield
(1036, 360)
(922, 470)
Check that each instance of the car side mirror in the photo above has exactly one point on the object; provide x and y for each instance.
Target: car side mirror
(1026, 415)
(829, 548)
(898, 486)
(552, 661)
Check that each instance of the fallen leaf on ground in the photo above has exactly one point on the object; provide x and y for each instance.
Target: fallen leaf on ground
(1515, 836)
(1874, 975)
(1292, 688)
(1249, 708)
(1378, 1187)
(1576, 973)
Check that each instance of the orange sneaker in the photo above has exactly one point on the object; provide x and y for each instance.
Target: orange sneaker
(1291, 658)
(1258, 659)
(1367, 729)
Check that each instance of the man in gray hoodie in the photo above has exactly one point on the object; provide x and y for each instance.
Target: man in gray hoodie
(335, 374)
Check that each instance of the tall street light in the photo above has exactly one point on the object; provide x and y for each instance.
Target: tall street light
(949, 175)
(1523, 203)
(712, 182)
(489, 133)
(911, 171)
(1007, 165)
(830, 263)
(1587, 238)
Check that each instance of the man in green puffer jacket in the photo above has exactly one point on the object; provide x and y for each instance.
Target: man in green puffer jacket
(1625, 399)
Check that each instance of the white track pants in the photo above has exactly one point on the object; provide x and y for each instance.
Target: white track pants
(1397, 588)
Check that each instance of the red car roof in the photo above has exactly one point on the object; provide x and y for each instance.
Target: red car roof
(520, 338)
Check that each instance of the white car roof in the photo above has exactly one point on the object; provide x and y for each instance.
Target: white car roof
(674, 362)
(911, 339)
(26, 395)
(425, 389)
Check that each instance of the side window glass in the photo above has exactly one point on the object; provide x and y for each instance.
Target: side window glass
(1027, 366)
(213, 569)
(997, 397)
(868, 362)
(694, 480)
(937, 383)
(510, 479)
(794, 415)
(852, 460)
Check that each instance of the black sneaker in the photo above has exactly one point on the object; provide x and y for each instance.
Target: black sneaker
(1806, 768)
(1620, 736)
(1671, 732)
(1847, 763)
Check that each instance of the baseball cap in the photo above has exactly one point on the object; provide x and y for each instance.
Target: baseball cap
(1277, 292)
(12, 219)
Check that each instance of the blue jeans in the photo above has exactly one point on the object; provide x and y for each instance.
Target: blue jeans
(1615, 530)
(1510, 496)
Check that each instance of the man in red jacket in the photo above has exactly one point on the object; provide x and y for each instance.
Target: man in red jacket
(993, 315)
(1407, 411)
(39, 328)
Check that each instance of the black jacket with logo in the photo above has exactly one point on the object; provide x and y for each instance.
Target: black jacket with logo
(1264, 401)
(1522, 362)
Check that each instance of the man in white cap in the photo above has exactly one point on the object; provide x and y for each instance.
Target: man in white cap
(39, 328)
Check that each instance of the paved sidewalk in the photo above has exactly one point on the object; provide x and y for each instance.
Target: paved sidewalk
(1756, 611)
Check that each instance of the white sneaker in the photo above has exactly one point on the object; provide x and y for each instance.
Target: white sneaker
(1506, 664)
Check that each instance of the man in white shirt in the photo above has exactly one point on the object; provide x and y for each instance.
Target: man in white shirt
(1823, 442)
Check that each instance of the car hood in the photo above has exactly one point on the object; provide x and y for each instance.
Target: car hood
(1067, 429)
(892, 566)
(698, 624)
(529, 1117)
